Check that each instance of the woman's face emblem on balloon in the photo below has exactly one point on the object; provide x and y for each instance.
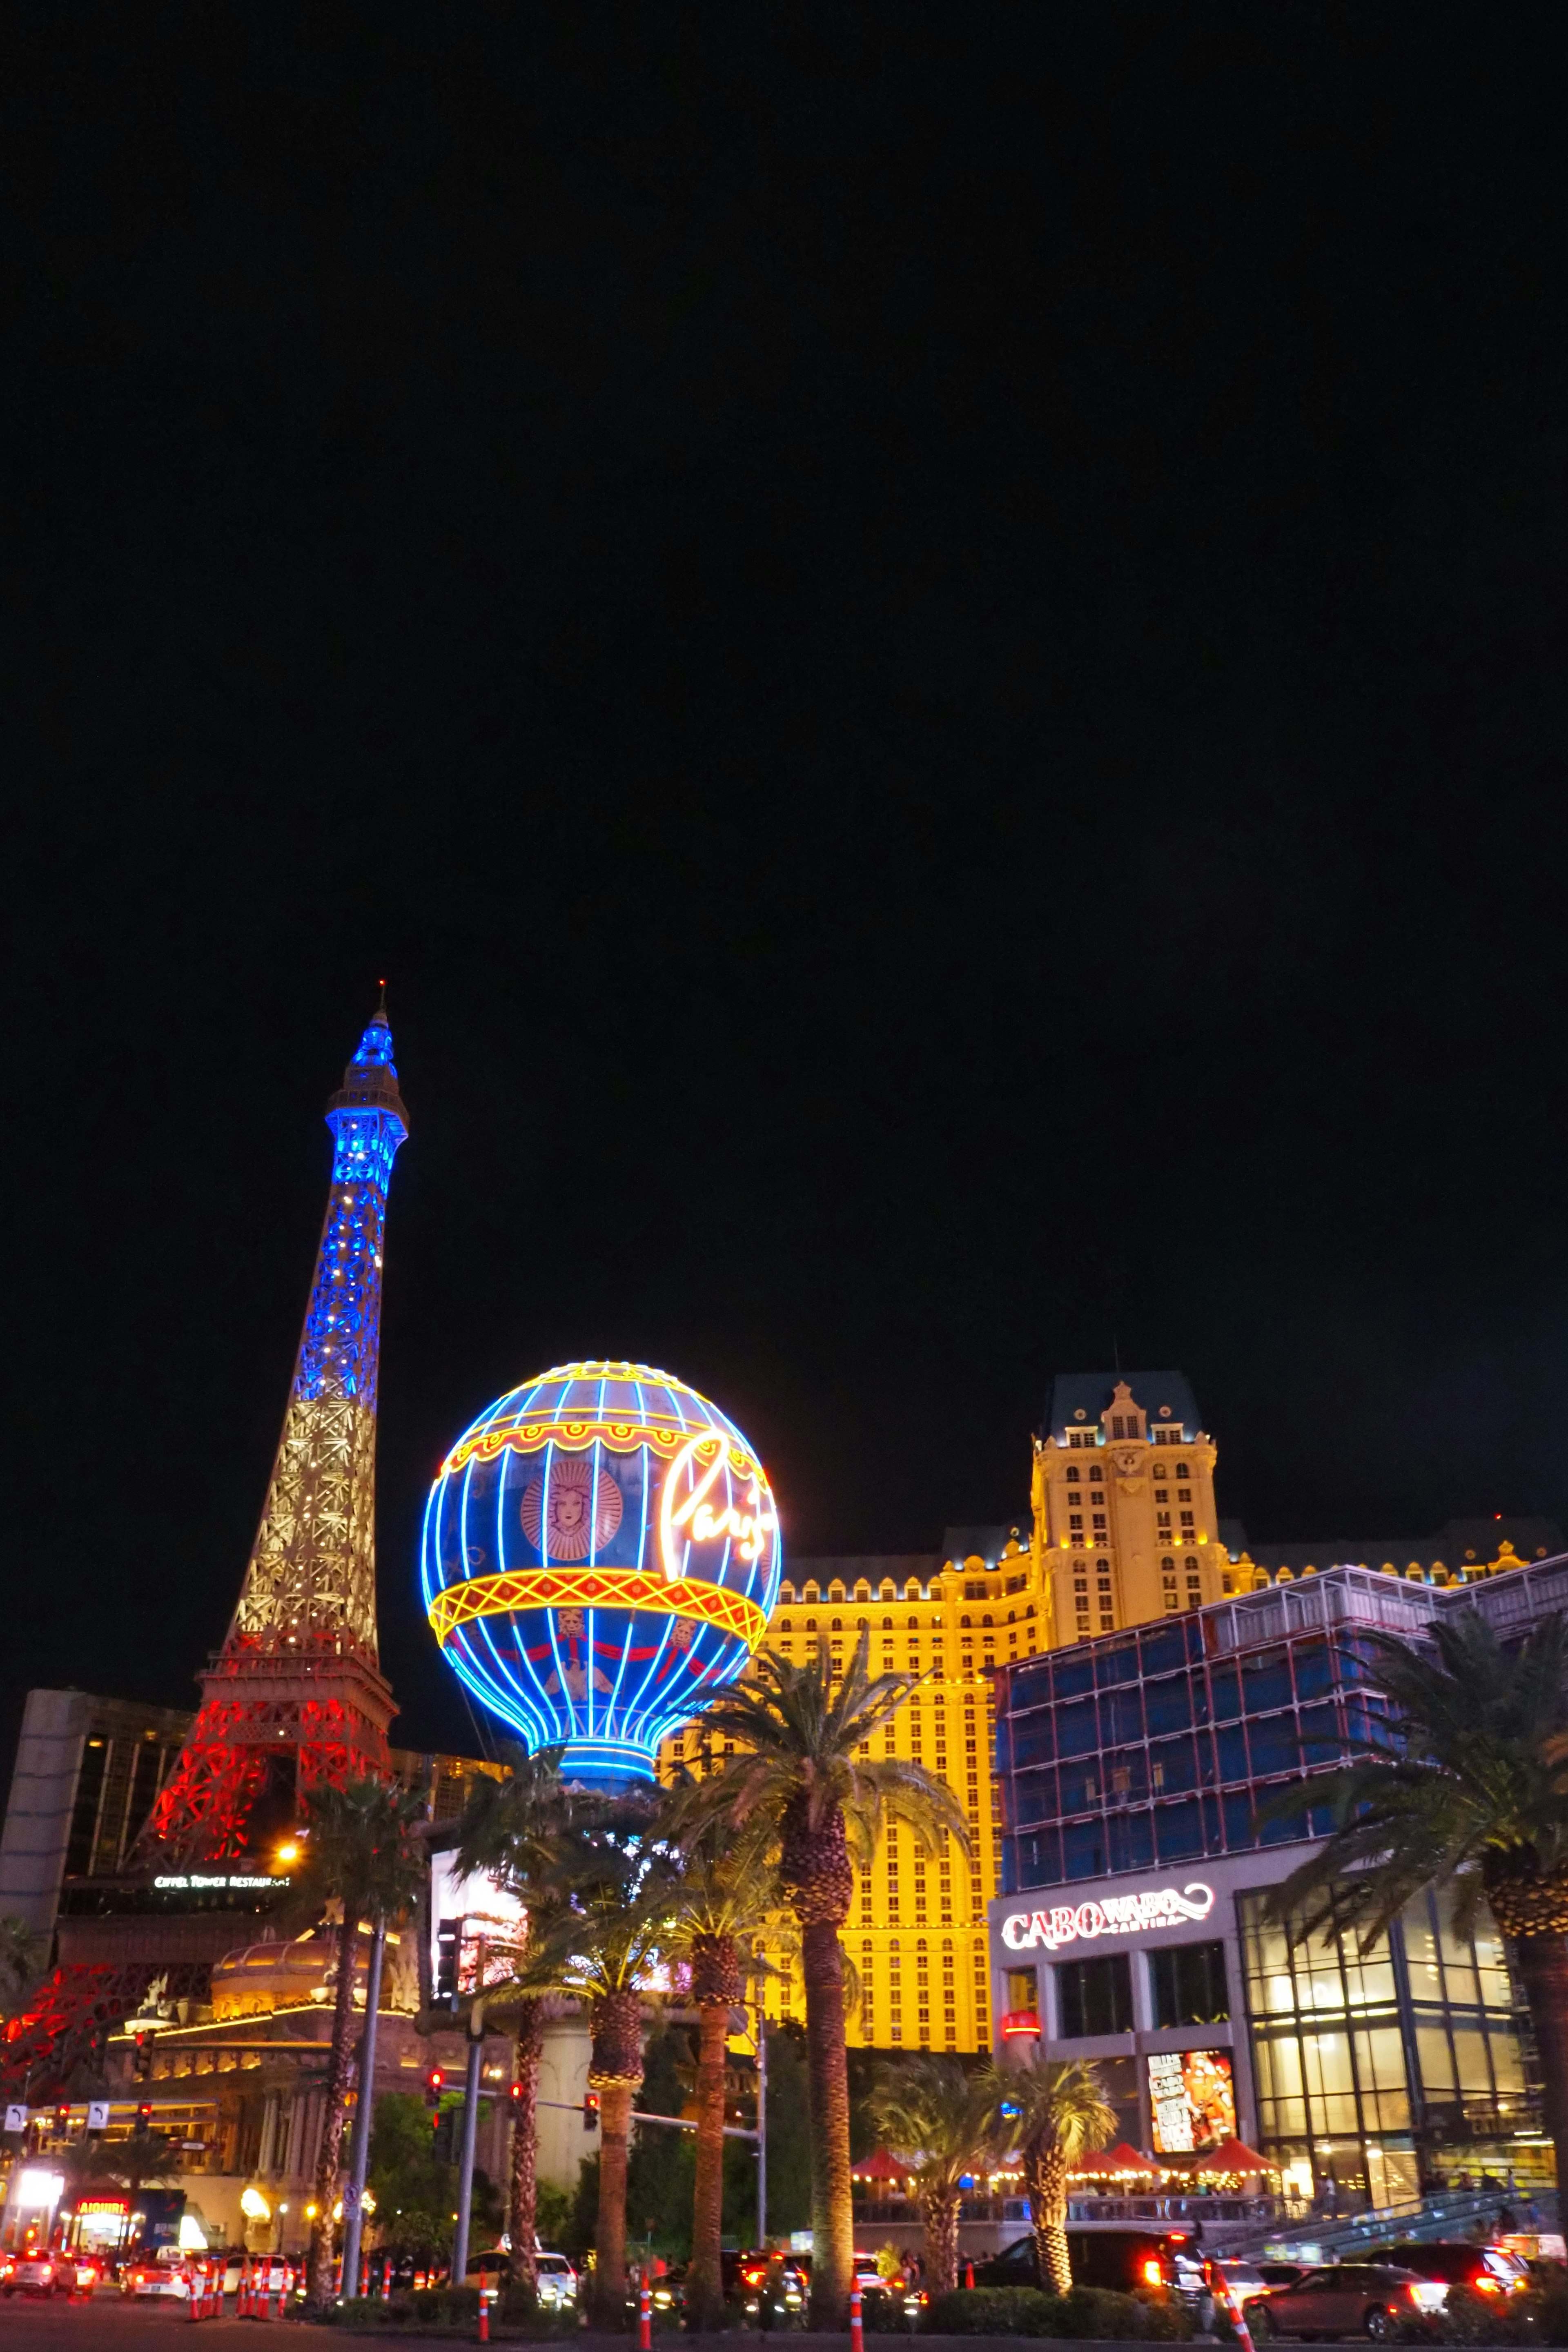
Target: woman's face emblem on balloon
(571, 1511)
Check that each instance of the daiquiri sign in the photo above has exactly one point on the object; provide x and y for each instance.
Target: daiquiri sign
(1112, 1915)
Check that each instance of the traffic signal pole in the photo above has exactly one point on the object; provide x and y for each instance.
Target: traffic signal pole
(470, 2127)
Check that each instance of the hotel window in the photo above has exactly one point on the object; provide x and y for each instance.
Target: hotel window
(1074, 1473)
(1095, 1996)
(1183, 1470)
(1190, 1986)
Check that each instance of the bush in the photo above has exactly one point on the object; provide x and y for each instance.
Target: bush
(1086, 2313)
(996, 2311)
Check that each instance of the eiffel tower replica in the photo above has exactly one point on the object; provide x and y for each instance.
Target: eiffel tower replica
(296, 1694)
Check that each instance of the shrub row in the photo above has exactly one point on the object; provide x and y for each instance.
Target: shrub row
(1090, 2312)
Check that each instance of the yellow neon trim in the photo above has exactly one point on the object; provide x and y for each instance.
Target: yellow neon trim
(581, 1431)
(611, 1587)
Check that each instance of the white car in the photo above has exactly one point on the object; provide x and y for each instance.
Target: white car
(166, 2273)
(557, 2282)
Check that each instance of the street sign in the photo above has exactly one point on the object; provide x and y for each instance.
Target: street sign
(15, 2119)
(97, 2114)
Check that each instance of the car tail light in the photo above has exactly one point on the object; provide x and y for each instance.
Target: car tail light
(1153, 2274)
(1485, 2284)
(1428, 2295)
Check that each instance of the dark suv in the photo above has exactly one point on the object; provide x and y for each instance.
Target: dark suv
(1122, 2259)
(1370, 2299)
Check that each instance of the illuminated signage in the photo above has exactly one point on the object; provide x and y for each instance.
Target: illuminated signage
(86, 2206)
(1112, 1915)
(692, 1512)
(196, 1878)
(1192, 2099)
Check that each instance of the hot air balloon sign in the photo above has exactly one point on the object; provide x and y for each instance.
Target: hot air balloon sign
(600, 1555)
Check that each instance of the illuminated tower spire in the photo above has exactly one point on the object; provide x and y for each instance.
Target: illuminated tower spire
(296, 1693)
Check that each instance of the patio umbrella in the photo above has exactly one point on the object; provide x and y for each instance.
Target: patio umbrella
(1232, 2156)
(879, 2167)
(1124, 2159)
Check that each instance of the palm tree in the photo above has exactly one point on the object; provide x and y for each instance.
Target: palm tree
(1469, 1789)
(364, 1852)
(943, 2122)
(721, 1905)
(808, 1780)
(622, 1931)
(1061, 2109)
(525, 1831)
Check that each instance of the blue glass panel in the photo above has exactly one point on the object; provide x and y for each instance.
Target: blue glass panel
(1224, 1685)
(1282, 1832)
(1240, 1835)
(1133, 1762)
(1321, 1820)
(1231, 1746)
(1274, 1745)
(1266, 1682)
(1035, 1796)
(1179, 1831)
(1200, 1687)
(1173, 1764)
(1117, 1663)
(1139, 1839)
(1040, 1856)
(1072, 1678)
(1010, 1881)
(1208, 1772)
(1121, 1715)
(1078, 1732)
(1163, 1650)
(1034, 1741)
(1314, 1670)
(1168, 1706)
(1031, 1687)
(1083, 1850)
(1320, 1735)
(1213, 1830)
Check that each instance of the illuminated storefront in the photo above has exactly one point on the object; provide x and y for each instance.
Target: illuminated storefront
(1132, 1928)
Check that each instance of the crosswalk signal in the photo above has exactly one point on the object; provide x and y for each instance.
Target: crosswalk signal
(590, 2110)
(144, 2114)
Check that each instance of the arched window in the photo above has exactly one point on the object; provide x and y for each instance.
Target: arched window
(814, 1591)
(862, 1624)
(913, 1589)
(887, 1625)
(811, 1624)
(1030, 1610)
(838, 1625)
(1012, 1615)
(913, 1623)
(862, 1590)
(1167, 1561)
(1072, 1473)
(966, 1621)
(889, 1591)
(1183, 1470)
(786, 1591)
(1192, 1563)
(985, 1621)
(836, 1591)
(1097, 1476)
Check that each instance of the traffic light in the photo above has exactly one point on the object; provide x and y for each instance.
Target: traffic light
(433, 2083)
(515, 2094)
(145, 2116)
(590, 2110)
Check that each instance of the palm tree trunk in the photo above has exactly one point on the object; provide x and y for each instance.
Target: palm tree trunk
(705, 2283)
(1544, 1971)
(323, 2286)
(1045, 2170)
(523, 2201)
(828, 2081)
(939, 2217)
(610, 2237)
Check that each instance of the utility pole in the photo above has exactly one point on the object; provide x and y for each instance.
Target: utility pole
(354, 2195)
(762, 2127)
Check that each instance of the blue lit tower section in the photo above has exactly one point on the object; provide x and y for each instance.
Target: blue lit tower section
(296, 1693)
(600, 1556)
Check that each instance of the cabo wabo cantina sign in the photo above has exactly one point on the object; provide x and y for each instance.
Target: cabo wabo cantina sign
(1113, 1914)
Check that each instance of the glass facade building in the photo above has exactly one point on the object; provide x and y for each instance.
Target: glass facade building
(1146, 1781)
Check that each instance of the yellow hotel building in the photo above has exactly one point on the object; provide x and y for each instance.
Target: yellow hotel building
(1123, 1527)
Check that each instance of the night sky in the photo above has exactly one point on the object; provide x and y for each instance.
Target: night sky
(928, 644)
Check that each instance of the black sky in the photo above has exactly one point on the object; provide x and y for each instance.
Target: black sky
(929, 647)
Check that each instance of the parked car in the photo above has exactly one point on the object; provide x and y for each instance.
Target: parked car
(1124, 2260)
(166, 2273)
(1192, 2276)
(1370, 2299)
(1489, 2269)
(41, 2270)
(557, 2278)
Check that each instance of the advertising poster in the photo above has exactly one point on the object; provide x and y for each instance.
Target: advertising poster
(1192, 2099)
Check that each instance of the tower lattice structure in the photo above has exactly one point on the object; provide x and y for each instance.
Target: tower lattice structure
(296, 1693)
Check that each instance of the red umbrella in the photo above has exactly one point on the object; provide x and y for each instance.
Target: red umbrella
(1123, 2159)
(879, 2167)
(1232, 2156)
